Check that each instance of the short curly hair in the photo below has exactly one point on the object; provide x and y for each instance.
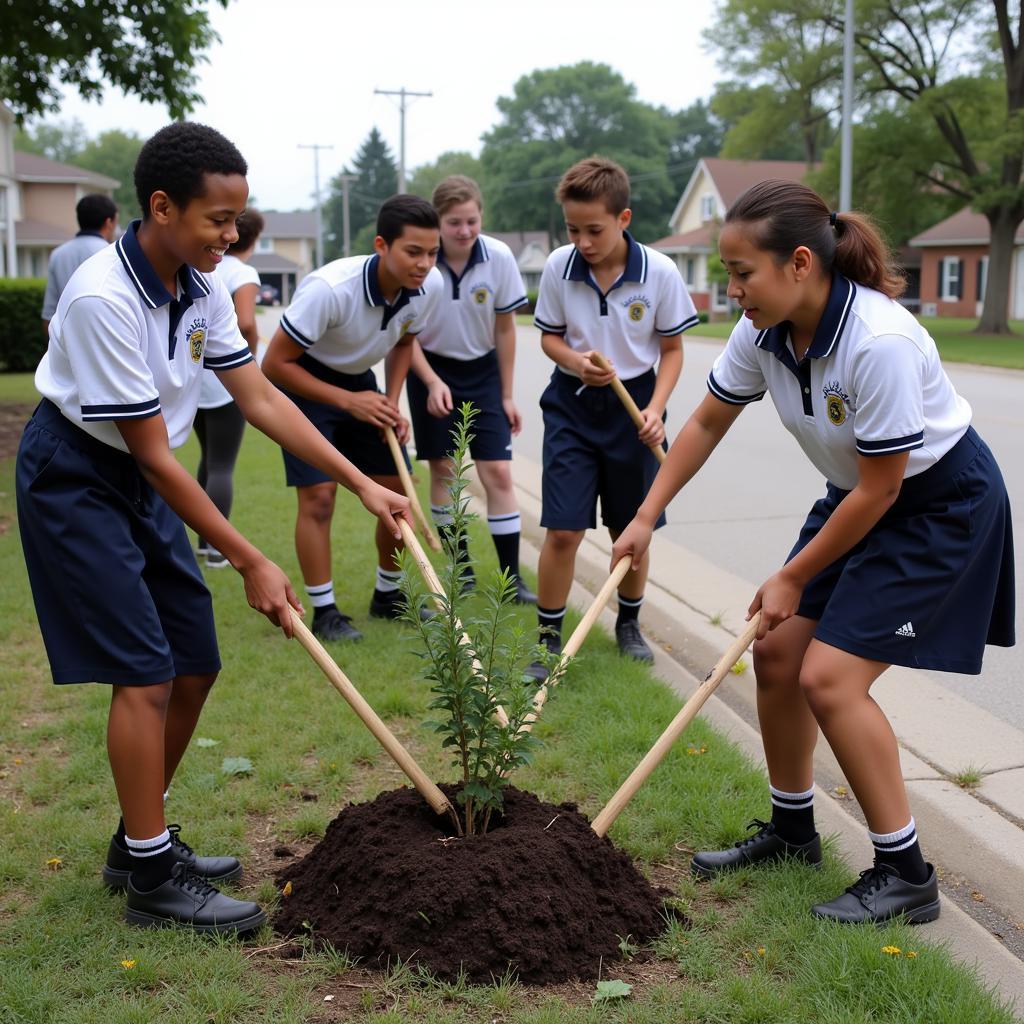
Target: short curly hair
(249, 227)
(176, 159)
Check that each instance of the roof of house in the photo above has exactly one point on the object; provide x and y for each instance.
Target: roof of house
(289, 224)
(272, 263)
(517, 241)
(30, 167)
(37, 232)
(697, 240)
(964, 228)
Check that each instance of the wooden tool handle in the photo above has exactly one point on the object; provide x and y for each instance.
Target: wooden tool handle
(640, 773)
(627, 400)
(410, 489)
(437, 800)
(575, 642)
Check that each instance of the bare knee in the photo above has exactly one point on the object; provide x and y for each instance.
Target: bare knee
(496, 476)
(317, 503)
(195, 686)
(820, 690)
(775, 664)
(563, 542)
(149, 699)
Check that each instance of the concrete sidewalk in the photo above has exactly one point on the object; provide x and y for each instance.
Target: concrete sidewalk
(693, 610)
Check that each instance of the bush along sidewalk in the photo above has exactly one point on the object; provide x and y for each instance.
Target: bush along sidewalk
(749, 950)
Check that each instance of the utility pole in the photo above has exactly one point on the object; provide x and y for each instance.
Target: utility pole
(346, 241)
(316, 147)
(846, 133)
(402, 94)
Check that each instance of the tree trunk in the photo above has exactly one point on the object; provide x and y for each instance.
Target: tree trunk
(1003, 223)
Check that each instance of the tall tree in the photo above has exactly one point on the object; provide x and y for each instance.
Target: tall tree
(114, 153)
(377, 178)
(558, 116)
(56, 140)
(922, 54)
(787, 61)
(760, 125)
(149, 48)
(425, 178)
(696, 132)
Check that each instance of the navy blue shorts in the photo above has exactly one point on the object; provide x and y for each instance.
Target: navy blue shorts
(591, 451)
(932, 583)
(360, 442)
(116, 587)
(470, 380)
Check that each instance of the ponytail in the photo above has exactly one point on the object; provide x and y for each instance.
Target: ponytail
(786, 214)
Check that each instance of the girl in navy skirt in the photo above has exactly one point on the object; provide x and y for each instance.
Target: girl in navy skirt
(906, 560)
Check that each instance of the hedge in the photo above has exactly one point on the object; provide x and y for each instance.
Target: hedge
(22, 341)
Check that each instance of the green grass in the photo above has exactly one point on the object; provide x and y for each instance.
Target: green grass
(753, 953)
(953, 337)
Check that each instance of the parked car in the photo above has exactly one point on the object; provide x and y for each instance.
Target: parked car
(268, 295)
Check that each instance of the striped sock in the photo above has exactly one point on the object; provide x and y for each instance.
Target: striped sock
(505, 531)
(793, 815)
(321, 595)
(902, 851)
(444, 521)
(629, 609)
(152, 860)
(549, 620)
(386, 584)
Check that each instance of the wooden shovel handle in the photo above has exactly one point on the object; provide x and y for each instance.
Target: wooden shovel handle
(652, 759)
(410, 490)
(627, 400)
(437, 800)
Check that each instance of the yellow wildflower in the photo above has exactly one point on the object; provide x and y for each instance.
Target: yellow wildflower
(892, 950)
(127, 964)
(54, 863)
(910, 954)
(760, 950)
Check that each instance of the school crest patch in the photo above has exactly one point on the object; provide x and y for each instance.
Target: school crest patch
(636, 311)
(836, 402)
(480, 296)
(196, 339)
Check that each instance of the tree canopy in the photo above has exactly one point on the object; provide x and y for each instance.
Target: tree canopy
(148, 48)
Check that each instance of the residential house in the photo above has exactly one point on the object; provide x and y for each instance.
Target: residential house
(8, 193)
(286, 250)
(954, 267)
(530, 249)
(714, 185)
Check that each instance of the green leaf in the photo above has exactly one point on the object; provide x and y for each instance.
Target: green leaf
(205, 741)
(236, 766)
(608, 991)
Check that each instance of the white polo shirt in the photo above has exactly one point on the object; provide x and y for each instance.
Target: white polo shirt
(121, 347)
(234, 273)
(462, 326)
(340, 317)
(870, 384)
(648, 302)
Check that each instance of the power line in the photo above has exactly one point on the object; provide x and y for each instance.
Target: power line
(316, 147)
(402, 93)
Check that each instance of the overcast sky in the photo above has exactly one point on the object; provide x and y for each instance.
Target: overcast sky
(304, 71)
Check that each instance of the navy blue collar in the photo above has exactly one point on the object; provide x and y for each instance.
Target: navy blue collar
(828, 332)
(146, 280)
(85, 232)
(577, 269)
(478, 254)
(375, 297)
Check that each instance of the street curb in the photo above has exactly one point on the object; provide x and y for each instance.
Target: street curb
(981, 844)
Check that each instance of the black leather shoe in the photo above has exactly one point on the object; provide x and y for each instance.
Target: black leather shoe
(524, 595)
(189, 900)
(631, 641)
(334, 625)
(215, 869)
(880, 894)
(394, 609)
(537, 670)
(764, 846)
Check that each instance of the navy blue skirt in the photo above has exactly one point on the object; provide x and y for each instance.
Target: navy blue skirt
(932, 583)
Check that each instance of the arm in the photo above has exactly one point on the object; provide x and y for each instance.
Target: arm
(878, 486)
(505, 345)
(670, 365)
(266, 587)
(439, 396)
(557, 349)
(280, 365)
(244, 299)
(396, 369)
(700, 435)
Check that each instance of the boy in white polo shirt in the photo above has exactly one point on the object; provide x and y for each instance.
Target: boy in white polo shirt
(466, 353)
(345, 318)
(101, 499)
(603, 293)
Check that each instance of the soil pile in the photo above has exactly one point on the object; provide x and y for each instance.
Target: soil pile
(540, 892)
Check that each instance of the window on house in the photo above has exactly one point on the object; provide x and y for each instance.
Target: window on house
(719, 297)
(264, 245)
(982, 278)
(951, 278)
(707, 207)
(690, 271)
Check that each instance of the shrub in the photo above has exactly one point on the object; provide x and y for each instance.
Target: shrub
(22, 341)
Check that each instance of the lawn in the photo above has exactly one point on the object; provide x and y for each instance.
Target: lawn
(753, 952)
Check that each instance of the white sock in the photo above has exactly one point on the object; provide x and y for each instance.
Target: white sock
(442, 515)
(321, 595)
(387, 582)
(149, 847)
(500, 526)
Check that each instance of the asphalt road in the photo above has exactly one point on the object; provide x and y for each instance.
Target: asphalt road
(744, 509)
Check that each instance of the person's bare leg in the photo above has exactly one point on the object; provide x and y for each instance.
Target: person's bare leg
(440, 479)
(836, 685)
(188, 696)
(313, 531)
(496, 479)
(135, 746)
(556, 566)
(789, 730)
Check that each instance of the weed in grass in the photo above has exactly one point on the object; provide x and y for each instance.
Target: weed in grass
(968, 778)
(308, 823)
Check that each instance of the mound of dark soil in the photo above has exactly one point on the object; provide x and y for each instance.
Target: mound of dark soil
(540, 892)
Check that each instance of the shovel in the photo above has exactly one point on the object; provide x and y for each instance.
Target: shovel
(410, 490)
(627, 400)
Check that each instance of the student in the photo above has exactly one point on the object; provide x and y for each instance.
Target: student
(605, 293)
(101, 499)
(906, 560)
(219, 422)
(97, 228)
(466, 353)
(346, 317)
